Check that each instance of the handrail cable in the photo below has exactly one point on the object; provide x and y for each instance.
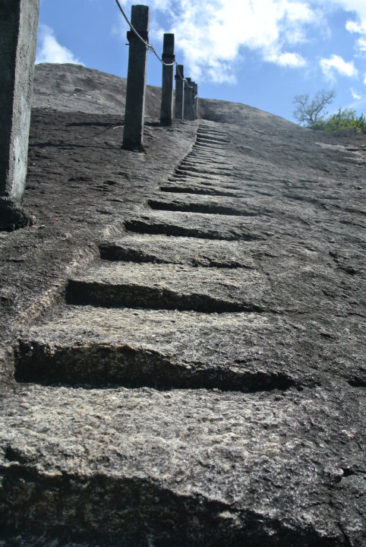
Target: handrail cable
(147, 45)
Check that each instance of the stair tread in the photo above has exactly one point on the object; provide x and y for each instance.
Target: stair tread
(242, 289)
(235, 206)
(182, 250)
(165, 349)
(125, 455)
(213, 226)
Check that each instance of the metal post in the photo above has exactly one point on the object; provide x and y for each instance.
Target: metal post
(18, 31)
(133, 135)
(166, 111)
(179, 92)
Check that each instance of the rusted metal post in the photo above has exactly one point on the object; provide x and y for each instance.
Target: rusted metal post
(18, 32)
(133, 135)
(166, 111)
(179, 92)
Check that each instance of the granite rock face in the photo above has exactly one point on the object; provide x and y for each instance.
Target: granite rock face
(75, 88)
(191, 371)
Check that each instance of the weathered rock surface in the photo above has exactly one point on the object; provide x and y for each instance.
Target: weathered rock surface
(166, 250)
(169, 287)
(183, 349)
(75, 88)
(160, 348)
(133, 467)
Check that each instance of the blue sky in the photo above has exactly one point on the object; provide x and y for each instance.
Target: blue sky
(257, 52)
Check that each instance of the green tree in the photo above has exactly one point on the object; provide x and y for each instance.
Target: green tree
(342, 120)
(310, 111)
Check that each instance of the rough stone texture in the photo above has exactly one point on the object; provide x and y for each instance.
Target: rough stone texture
(170, 286)
(140, 467)
(80, 184)
(193, 425)
(242, 351)
(179, 90)
(142, 248)
(12, 215)
(133, 132)
(219, 228)
(75, 88)
(167, 83)
(18, 30)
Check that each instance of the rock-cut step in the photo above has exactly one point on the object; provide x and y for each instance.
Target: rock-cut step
(200, 189)
(163, 249)
(204, 226)
(216, 141)
(145, 467)
(234, 206)
(194, 170)
(82, 345)
(169, 286)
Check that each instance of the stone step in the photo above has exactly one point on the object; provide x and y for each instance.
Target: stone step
(84, 345)
(219, 227)
(209, 205)
(212, 133)
(219, 141)
(220, 136)
(163, 349)
(207, 156)
(218, 182)
(183, 250)
(169, 286)
(207, 145)
(242, 202)
(145, 467)
(198, 162)
(200, 189)
(209, 129)
(201, 176)
(215, 141)
(202, 164)
(205, 170)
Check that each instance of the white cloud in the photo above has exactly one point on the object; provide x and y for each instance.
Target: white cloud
(356, 25)
(355, 28)
(356, 96)
(214, 34)
(358, 28)
(288, 59)
(361, 43)
(336, 64)
(50, 51)
(357, 7)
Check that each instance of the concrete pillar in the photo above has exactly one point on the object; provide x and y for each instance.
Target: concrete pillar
(188, 99)
(166, 111)
(179, 92)
(195, 101)
(133, 135)
(191, 106)
(18, 40)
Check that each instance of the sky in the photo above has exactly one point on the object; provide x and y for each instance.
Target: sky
(262, 53)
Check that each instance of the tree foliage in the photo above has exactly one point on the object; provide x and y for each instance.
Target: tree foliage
(311, 111)
(342, 120)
